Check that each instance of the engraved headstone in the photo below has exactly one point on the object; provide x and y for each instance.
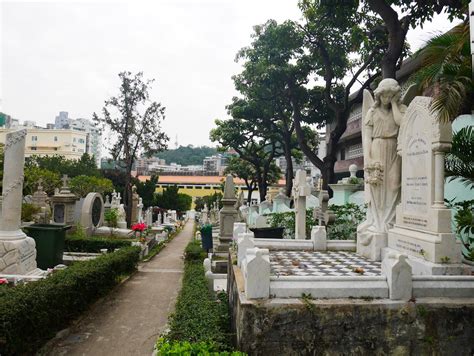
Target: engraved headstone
(423, 223)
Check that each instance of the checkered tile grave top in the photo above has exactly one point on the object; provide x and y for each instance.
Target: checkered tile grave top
(325, 263)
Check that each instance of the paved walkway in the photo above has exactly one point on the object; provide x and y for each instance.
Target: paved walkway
(129, 319)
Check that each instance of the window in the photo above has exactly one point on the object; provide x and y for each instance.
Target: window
(74, 139)
(343, 154)
(55, 138)
(81, 140)
(198, 187)
(33, 148)
(34, 138)
(207, 187)
(355, 151)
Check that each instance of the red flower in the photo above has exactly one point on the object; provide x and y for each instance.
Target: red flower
(139, 227)
(3, 281)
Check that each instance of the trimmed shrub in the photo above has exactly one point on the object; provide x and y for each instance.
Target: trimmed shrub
(93, 244)
(31, 314)
(200, 318)
(194, 251)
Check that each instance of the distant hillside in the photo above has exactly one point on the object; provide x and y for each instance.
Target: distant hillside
(187, 155)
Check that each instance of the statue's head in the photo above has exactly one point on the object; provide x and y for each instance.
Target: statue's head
(385, 91)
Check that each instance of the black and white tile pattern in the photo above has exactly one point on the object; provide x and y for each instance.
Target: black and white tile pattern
(325, 263)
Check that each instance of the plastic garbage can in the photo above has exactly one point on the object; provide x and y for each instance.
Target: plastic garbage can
(49, 240)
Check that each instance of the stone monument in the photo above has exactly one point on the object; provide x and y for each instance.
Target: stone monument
(122, 217)
(140, 210)
(381, 120)
(301, 190)
(423, 222)
(280, 203)
(92, 212)
(17, 251)
(227, 215)
(64, 203)
(135, 201)
(40, 200)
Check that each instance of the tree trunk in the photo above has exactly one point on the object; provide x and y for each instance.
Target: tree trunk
(127, 198)
(397, 31)
(249, 195)
(328, 174)
(289, 167)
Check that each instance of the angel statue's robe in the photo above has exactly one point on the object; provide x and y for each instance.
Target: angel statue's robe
(385, 195)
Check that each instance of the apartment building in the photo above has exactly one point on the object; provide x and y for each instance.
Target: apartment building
(43, 142)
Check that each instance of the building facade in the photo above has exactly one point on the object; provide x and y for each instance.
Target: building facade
(43, 142)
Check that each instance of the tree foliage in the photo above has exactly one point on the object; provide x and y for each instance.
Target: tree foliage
(146, 190)
(460, 161)
(83, 185)
(244, 170)
(208, 200)
(171, 199)
(447, 72)
(86, 165)
(33, 175)
(134, 121)
(252, 143)
(187, 155)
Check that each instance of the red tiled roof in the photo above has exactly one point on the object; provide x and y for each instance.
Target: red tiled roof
(196, 180)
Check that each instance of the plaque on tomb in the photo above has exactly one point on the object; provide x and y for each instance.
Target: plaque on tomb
(59, 210)
(416, 171)
(96, 211)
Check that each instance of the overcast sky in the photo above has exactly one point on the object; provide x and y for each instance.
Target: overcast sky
(60, 56)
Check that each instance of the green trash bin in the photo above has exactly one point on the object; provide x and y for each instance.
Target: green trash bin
(206, 237)
(49, 240)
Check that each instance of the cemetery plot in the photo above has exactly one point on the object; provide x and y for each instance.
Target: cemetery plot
(337, 263)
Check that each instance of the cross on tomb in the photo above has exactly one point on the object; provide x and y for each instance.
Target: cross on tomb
(301, 190)
(324, 215)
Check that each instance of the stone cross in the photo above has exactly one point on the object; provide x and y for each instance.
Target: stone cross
(301, 190)
(323, 214)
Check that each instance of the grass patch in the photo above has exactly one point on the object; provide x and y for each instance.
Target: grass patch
(31, 314)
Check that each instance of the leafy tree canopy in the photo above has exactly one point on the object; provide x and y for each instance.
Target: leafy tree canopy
(83, 185)
(86, 165)
(146, 190)
(134, 121)
(171, 199)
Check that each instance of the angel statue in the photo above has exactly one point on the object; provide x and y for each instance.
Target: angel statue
(381, 121)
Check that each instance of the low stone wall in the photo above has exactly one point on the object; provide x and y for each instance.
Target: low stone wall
(349, 326)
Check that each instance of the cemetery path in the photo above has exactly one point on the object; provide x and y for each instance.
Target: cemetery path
(129, 319)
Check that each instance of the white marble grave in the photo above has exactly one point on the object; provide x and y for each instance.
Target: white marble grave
(423, 222)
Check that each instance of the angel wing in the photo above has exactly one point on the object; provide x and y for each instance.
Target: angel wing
(410, 94)
(367, 103)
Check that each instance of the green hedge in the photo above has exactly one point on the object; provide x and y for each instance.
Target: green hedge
(93, 244)
(31, 314)
(200, 318)
(194, 251)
